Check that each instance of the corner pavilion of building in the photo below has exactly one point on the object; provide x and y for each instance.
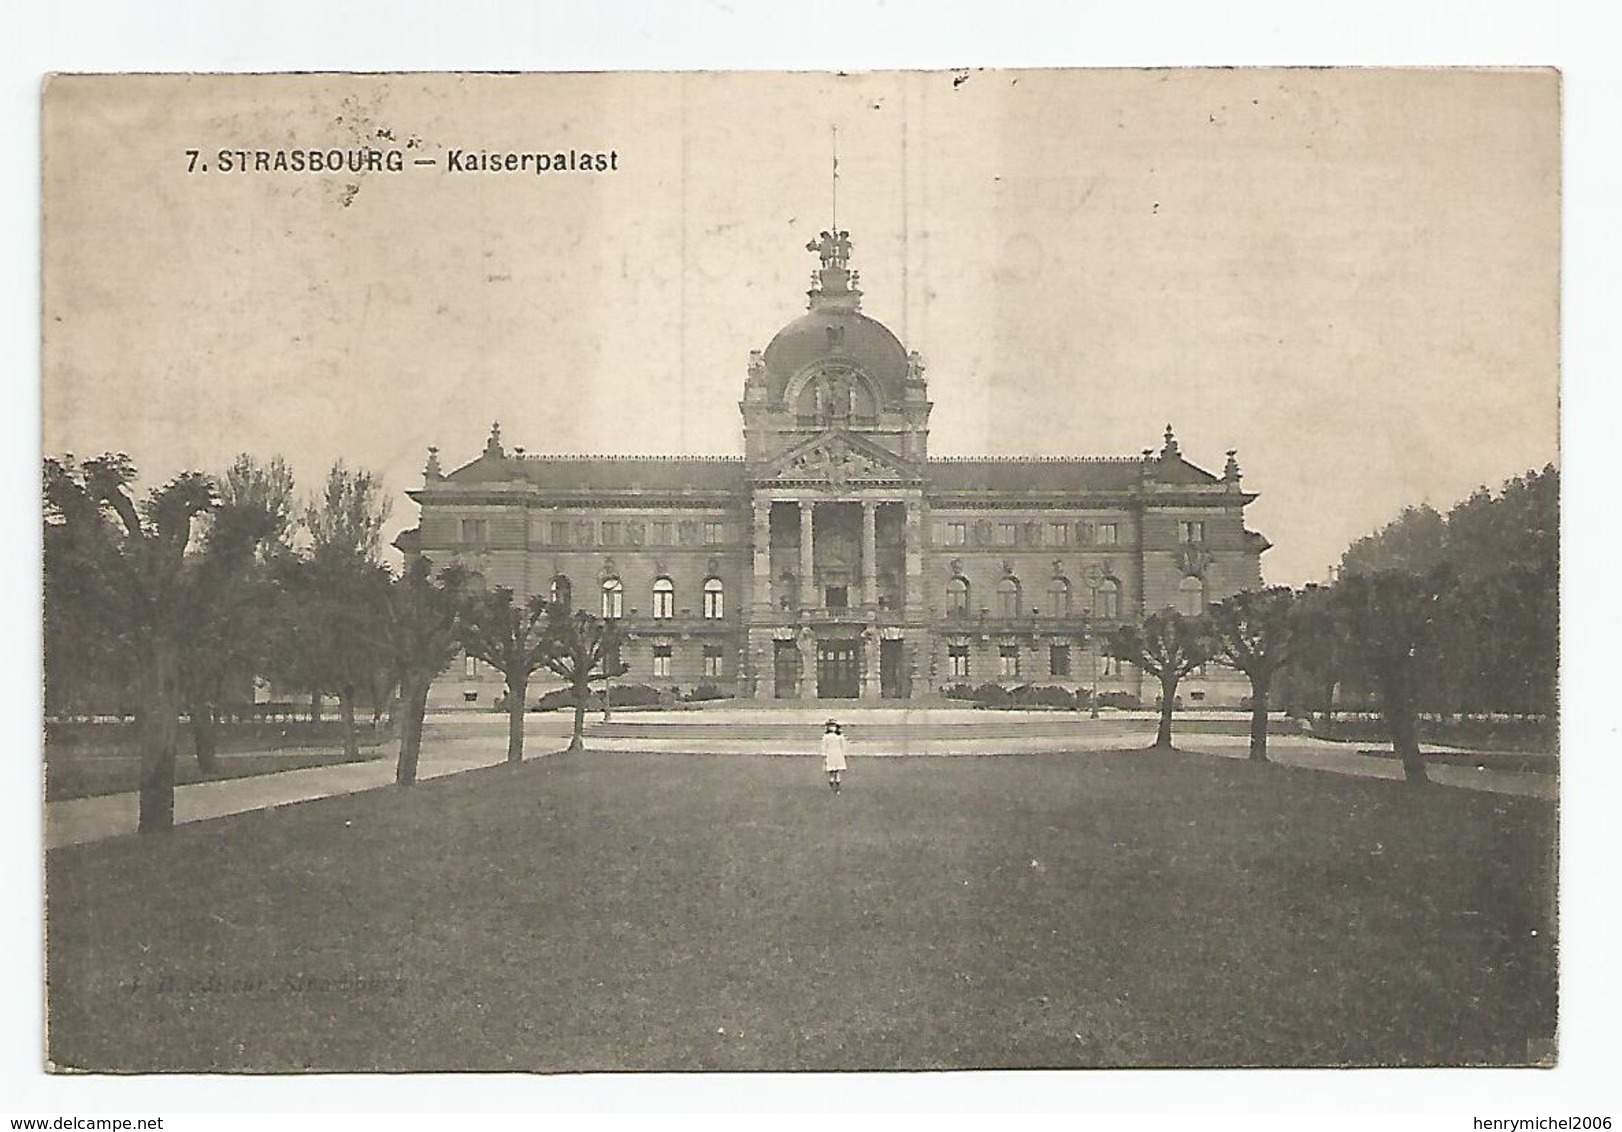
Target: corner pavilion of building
(836, 559)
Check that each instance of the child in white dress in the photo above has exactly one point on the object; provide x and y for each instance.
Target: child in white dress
(833, 753)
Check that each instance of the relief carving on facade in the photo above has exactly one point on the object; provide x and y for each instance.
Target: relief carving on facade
(1193, 561)
(835, 464)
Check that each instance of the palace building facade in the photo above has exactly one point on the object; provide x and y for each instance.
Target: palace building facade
(836, 558)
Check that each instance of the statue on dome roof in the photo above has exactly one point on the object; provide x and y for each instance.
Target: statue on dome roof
(833, 248)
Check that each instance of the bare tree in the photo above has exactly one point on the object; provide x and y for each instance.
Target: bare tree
(1252, 632)
(420, 637)
(146, 589)
(513, 638)
(1168, 646)
(585, 648)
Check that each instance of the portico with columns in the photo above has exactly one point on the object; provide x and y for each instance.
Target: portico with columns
(836, 424)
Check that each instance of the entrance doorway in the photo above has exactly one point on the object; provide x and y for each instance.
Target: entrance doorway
(892, 684)
(785, 670)
(837, 675)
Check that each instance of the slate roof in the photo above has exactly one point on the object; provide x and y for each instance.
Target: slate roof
(949, 475)
(610, 473)
(1043, 474)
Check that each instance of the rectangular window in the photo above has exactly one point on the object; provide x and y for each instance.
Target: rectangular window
(476, 531)
(1060, 533)
(661, 534)
(1008, 660)
(1190, 532)
(1108, 534)
(957, 534)
(1007, 534)
(713, 534)
(661, 659)
(470, 667)
(1109, 666)
(611, 532)
(957, 660)
(713, 604)
(1059, 660)
(557, 534)
(712, 660)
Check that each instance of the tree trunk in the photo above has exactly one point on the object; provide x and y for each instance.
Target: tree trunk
(1399, 716)
(1168, 693)
(1259, 688)
(159, 725)
(315, 705)
(346, 704)
(205, 736)
(578, 740)
(414, 702)
(517, 690)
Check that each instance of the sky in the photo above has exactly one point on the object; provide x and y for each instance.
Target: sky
(1349, 276)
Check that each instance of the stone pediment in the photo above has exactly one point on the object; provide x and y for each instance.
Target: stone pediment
(837, 460)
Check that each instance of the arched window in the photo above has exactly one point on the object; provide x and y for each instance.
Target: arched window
(957, 595)
(1008, 597)
(714, 592)
(613, 599)
(1109, 598)
(562, 592)
(1191, 596)
(664, 599)
(1059, 597)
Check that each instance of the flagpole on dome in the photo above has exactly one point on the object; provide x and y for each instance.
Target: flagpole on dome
(835, 130)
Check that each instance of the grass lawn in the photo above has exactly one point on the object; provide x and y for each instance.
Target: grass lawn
(609, 911)
(79, 774)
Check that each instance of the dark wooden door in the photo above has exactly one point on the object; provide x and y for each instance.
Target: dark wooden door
(890, 677)
(837, 675)
(785, 671)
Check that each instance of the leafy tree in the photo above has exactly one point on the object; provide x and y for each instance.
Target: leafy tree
(420, 636)
(334, 599)
(514, 639)
(1391, 619)
(1252, 632)
(144, 587)
(1317, 654)
(345, 526)
(1168, 646)
(1416, 540)
(585, 648)
(234, 616)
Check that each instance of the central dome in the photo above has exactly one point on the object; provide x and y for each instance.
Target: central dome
(835, 334)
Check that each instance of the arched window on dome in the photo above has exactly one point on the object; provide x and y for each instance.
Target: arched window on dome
(1191, 596)
(957, 596)
(714, 593)
(1008, 597)
(613, 599)
(562, 592)
(1109, 599)
(1059, 597)
(664, 599)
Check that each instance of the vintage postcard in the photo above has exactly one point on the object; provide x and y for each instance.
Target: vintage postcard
(789, 571)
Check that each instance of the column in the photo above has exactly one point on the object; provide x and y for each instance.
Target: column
(869, 689)
(808, 595)
(913, 595)
(763, 556)
(870, 554)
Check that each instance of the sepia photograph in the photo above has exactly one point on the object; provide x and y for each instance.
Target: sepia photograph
(723, 571)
